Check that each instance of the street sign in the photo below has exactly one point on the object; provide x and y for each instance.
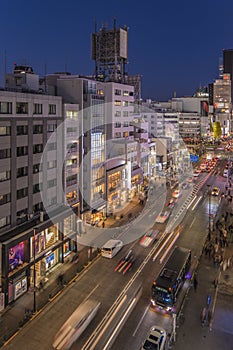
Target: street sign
(193, 158)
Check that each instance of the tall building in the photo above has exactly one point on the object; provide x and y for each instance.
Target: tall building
(228, 65)
(222, 103)
(37, 228)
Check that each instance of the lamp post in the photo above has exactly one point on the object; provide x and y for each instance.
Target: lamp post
(209, 211)
(34, 271)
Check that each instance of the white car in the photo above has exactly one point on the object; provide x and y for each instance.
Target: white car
(196, 173)
(162, 217)
(156, 339)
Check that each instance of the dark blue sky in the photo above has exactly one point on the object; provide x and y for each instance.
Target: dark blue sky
(174, 45)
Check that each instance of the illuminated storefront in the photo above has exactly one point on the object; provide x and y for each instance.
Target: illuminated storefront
(41, 247)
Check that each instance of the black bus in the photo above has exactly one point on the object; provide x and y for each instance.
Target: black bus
(166, 286)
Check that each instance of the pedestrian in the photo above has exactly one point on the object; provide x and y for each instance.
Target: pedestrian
(210, 319)
(103, 224)
(60, 278)
(195, 282)
(203, 316)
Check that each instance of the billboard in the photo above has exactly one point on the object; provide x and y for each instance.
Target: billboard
(204, 108)
(16, 256)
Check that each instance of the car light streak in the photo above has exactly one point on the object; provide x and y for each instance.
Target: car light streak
(165, 242)
(92, 347)
(169, 247)
(196, 202)
(192, 201)
(120, 323)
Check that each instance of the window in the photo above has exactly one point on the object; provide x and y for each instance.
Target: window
(126, 124)
(37, 108)
(52, 146)
(5, 153)
(71, 130)
(5, 175)
(72, 162)
(51, 127)
(37, 188)
(125, 134)
(37, 148)
(5, 198)
(117, 114)
(117, 125)
(53, 201)
(37, 168)
(71, 114)
(52, 164)
(21, 108)
(117, 103)
(117, 92)
(22, 171)
(5, 108)
(100, 92)
(125, 103)
(125, 113)
(52, 183)
(52, 109)
(126, 93)
(5, 130)
(22, 130)
(117, 135)
(71, 180)
(72, 147)
(38, 207)
(23, 192)
(5, 221)
(38, 129)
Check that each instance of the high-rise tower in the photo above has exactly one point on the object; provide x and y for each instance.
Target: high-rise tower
(228, 65)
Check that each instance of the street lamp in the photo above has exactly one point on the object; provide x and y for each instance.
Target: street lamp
(209, 211)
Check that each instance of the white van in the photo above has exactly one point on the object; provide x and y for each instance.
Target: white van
(111, 248)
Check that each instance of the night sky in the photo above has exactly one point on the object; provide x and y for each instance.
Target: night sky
(174, 45)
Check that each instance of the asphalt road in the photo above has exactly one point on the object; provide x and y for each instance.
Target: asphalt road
(101, 283)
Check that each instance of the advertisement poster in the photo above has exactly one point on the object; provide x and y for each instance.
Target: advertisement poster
(16, 256)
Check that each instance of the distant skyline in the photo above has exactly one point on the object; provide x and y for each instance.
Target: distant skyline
(174, 45)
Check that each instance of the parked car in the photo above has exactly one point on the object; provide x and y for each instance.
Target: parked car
(156, 339)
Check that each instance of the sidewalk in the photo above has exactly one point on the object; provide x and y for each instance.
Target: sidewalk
(215, 284)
